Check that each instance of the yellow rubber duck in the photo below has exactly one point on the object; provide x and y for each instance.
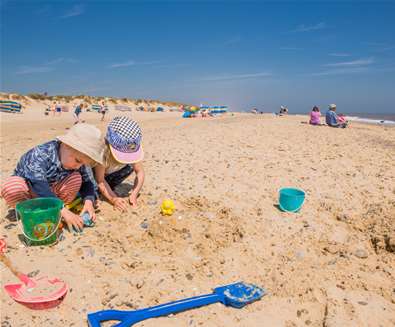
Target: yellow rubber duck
(167, 208)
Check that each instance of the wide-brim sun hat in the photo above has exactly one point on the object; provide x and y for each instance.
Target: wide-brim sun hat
(124, 139)
(332, 105)
(87, 139)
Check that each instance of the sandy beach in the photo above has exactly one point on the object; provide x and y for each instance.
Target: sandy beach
(331, 264)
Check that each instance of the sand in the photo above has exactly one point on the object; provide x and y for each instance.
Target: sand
(331, 264)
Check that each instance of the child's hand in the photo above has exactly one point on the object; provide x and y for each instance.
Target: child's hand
(88, 207)
(72, 220)
(133, 199)
(120, 204)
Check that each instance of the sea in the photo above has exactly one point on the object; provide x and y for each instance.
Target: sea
(374, 118)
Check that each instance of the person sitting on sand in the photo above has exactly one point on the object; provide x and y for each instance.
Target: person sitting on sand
(123, 155)
(58, 169)
(283, 110)
(332, 119)
(315, 115)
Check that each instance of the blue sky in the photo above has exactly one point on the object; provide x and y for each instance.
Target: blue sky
(242, 54)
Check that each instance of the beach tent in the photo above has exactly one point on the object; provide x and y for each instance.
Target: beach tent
(215, 109)
(187, 114)
(10, 106)
(96, 107)
(191, 109)
(123, 108)
(160, 109)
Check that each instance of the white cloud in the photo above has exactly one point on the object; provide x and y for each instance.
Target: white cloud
(133, 63)
(33, 69)
(123, 64)
(342, 71)
(290, 48)
(380, 47)
(47, 67)
(76, 10)
(359, 62)
(339, 54)
(308, 28)
(236, 39)
(235, 77)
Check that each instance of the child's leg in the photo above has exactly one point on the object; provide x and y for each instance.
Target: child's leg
(117, 177)
(67, 189)
(14, 190)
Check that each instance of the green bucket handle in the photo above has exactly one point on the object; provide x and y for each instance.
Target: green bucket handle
(19, 221)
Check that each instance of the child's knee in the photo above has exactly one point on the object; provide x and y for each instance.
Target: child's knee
(14, 190)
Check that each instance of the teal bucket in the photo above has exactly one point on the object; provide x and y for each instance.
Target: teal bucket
(291, 199)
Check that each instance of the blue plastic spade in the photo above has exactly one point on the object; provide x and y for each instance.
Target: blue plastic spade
(235, 295)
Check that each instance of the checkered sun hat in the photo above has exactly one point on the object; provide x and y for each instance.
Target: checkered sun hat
(124, 137)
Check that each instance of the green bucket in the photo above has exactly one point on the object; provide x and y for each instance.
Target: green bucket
(40, 219)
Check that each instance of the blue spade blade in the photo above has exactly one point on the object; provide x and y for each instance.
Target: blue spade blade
(236, 295)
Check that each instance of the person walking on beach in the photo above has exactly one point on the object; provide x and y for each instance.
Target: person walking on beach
(123, 155)
(103, 111)
(332, 119)
(315, 116)
(77, 111)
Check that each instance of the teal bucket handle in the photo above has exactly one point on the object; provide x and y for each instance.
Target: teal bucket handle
(32, 239)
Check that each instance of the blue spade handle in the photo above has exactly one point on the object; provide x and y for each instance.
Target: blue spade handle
(129, 318)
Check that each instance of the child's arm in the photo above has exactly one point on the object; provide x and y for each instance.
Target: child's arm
(106, 190)
(87, 192)
(138, 182)
(71, 219)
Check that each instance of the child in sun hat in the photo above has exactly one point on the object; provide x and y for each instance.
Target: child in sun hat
(58, 169)
(123, 155)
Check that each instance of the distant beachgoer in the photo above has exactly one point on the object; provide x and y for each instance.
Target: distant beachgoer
(332, 119)
(58, 108)
(77, 111)
(283, 110)
(53, 109)
(103, 110)
(254, 111)
(315, 116)
(47, 110)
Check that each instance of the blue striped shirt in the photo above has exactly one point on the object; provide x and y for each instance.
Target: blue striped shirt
(41, 167)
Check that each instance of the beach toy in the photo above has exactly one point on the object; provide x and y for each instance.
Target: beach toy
(86, 218)
(40, 219)
(167, 208)
(41, 293)
(291, 199)
(235, 295)
(75, 206)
